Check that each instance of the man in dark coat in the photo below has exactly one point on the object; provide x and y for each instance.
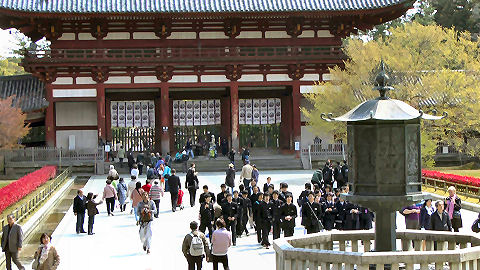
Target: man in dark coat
(351, 216)
(283, 192)
(79, 208)
(174, 186)
(256, 208)
(12, 239)
(341, 214)
(191, 183)
(365, 218)
(327, 173)
(230, 177)
(440, 221)
(276, 214)
(317, 178)
(265, 219)
(330, 212)
(206, 193)
(207, 216)
(230, 216)
(130, 160)
(288, 213)
(246, 212)
(311, 214)
(222, 195)
(240, 203)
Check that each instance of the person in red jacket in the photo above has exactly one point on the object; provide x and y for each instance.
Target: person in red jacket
(147, 186)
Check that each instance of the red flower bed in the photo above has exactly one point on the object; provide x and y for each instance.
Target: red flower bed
(15, 191)
(452, 178)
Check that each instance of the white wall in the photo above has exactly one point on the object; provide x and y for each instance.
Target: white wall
(76, 113)
(83, 138)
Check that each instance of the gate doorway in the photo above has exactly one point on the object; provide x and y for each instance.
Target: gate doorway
(200, 135)
(260, 136)
(136, 138)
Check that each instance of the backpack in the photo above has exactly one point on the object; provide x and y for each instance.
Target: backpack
(196, 246)
(146, 214)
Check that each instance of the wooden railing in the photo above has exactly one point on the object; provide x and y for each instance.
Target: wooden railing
(344, 250)
(317, 152)
(178, 54)
(52, 155)
(22, 211)
(462, 189)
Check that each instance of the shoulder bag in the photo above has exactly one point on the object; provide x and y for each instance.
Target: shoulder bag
(320, 224)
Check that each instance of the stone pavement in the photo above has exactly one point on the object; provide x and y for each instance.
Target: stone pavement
(116, 244)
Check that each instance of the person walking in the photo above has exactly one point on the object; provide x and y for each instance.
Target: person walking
(146, 208)
(230, 177)
(426, 214)
(246, 213)
(156, 192)
(46, 256)
(134, 171)
(79, 211)
(276, 214)
(92, 211)
(140, 162)
(12, 240)
(121, 155)
(230, 215)
(122, 191)
(330, 212)
(130, 160)
(221, 241)
(255, 173)
(288, 213)
(195, 247)
(265, 219)
(191, 183)
(136, 198)
(188, 148)
(112, 173)
(147, 186)
(440, 220)
(246, 175)
(205, 194)
(109, 195)
(207, 215)
(231, 156)
(174, 186)
(453, 204)
(131, 187)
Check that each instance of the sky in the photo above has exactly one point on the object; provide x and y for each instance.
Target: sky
(7, 43)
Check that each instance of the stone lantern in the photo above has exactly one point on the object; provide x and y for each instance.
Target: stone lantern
(384, 155)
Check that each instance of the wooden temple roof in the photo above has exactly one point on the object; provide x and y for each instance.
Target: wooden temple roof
(28, 90)
(194, 6)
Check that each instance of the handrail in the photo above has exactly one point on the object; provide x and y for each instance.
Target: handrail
(22, 211)
(462, 189)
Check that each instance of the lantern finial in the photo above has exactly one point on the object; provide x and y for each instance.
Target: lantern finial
(382, 81)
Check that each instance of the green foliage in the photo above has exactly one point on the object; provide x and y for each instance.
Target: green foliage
(10, 66)
(427, 62)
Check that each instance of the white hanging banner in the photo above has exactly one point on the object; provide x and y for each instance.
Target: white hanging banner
(121, 114)
(181, 113)
(271, 111)
(144, 112)
(196, 113)
(204, 112)
(129, 114)
(218, 112)
(263, 111)
(151, 113)
(241, 111)
(114, 113)
(256, 112)
(278, 110)
(137, 114)
(248, 111)
(211, 112)
(189, 113)
(175, 115)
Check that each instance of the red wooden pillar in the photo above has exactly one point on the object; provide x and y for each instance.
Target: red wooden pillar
(165, 118)
(158, 124)
(171, 128)
(226, 121)
(102, 132)
(296, 121)
(234, 115)
(286, 125)
(108, 120)
(50, 117)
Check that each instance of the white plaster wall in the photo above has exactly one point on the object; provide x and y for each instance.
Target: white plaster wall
(119, 79)
(76, 114)
(307, 34)
(67, 36)
(213, 35)
(250, 34)
(184, 79)
(117, 35)
(60, 93)
(85, 36)
(327, 77)
(63, 80)
(85, 80)
(214, 78)
(183, 35)
(84, 139)
(307, 89)
(144, 35)
(307, 137)
(278, 77)
(276, 34)
(324, 33)
(145, 79)
(251, 78)
(310, 77)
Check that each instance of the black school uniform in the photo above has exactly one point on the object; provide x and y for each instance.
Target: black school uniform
(231, 210)
(266, 218)
(311, 213)
(288, 226)
(351, 219)
(256, 208)
(277, 218)
(203, 195)
(246, 211)
(240, 202)
(365, 218)
(341, 215)
(207, 216)
(329, 216)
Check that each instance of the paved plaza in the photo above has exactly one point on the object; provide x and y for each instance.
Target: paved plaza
(116, 244)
